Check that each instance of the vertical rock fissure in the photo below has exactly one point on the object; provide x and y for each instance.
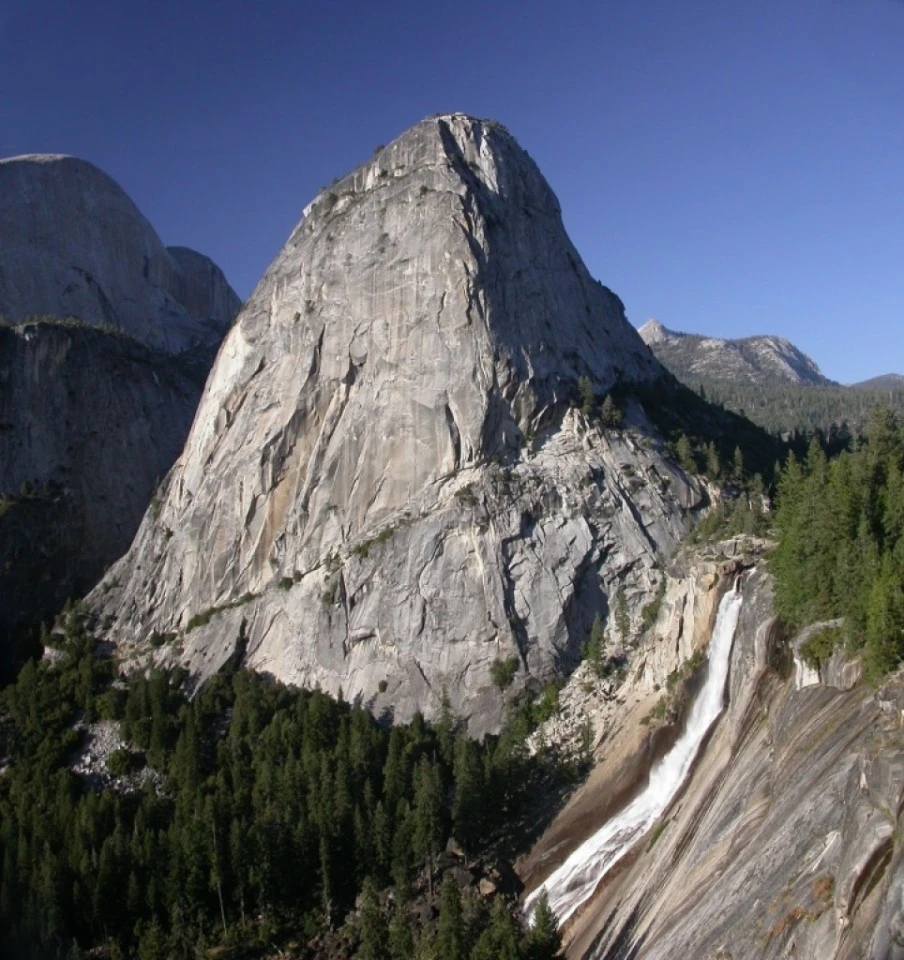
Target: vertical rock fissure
(454, 435)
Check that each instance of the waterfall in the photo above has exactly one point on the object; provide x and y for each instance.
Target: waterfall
(574, 882)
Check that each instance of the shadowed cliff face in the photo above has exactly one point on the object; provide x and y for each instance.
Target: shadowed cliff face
(89, 423)
(783, 842)
(93, 412)
(338, 505)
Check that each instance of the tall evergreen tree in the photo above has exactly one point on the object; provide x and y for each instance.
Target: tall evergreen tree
(374, 930)
(543, 941)
(450, 940)
(428, 814)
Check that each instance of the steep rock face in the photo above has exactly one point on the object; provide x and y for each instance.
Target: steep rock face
(783, 841)
(93, 410)
(761, 360)
(383, 490)
(625, 745)
(89, 422)
(73, 244)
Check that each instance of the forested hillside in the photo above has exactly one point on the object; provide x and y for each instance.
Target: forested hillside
(261, 815)
(834, 411)
(773, 383)
(841, 545)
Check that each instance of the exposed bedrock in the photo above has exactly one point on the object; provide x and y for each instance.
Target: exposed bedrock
(784, 841)
(386, 488)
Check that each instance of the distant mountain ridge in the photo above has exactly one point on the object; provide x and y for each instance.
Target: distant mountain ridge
(772, 382)
(756, 360)
(73, 244)
(885, 381)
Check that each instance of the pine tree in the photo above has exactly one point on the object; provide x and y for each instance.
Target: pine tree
(395, 770)
(594, 648)
(467, 805)
(499, 941)
(381, 839)
(610, 415)
(450, 941)
(685, 454)
(622, 618)
(428, 810)
(884, 623)
(588, 401)
(737, 466)
(543, 941)
(153, 944)
(327, 879)
(401, 941)
(374, 930)
(713, 462)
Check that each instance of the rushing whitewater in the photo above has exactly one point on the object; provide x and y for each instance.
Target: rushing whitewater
(569, 886)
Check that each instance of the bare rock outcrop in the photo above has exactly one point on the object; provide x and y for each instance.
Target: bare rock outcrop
(785, 840)
(386, 489)
(762, 359)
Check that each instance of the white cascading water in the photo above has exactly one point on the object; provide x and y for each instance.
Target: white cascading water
(569, 886)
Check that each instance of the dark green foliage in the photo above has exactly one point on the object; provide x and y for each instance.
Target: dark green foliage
(362, 550)
(841, 547)
(451, 943)
(469, 811)
(120, 763)
(610, 415)
(669, 707)
(835, 412)
(774, 403)
(595, 647)
(501, 940)
(684, 454)
(543, 942)
(622, 618)
(401, 940)
(548, 704)
(585, 392)
(205, 616)
(159, 639)
(651, 610)
(818, 648)
(466, 927)
(503, 672)
(374, 929)
(703, 436)
(744, 513)
(429, 814)
(277, 806)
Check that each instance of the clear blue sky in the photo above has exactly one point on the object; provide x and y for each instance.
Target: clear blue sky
(727, 167)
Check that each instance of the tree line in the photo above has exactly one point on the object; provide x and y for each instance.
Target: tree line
(794, 411)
